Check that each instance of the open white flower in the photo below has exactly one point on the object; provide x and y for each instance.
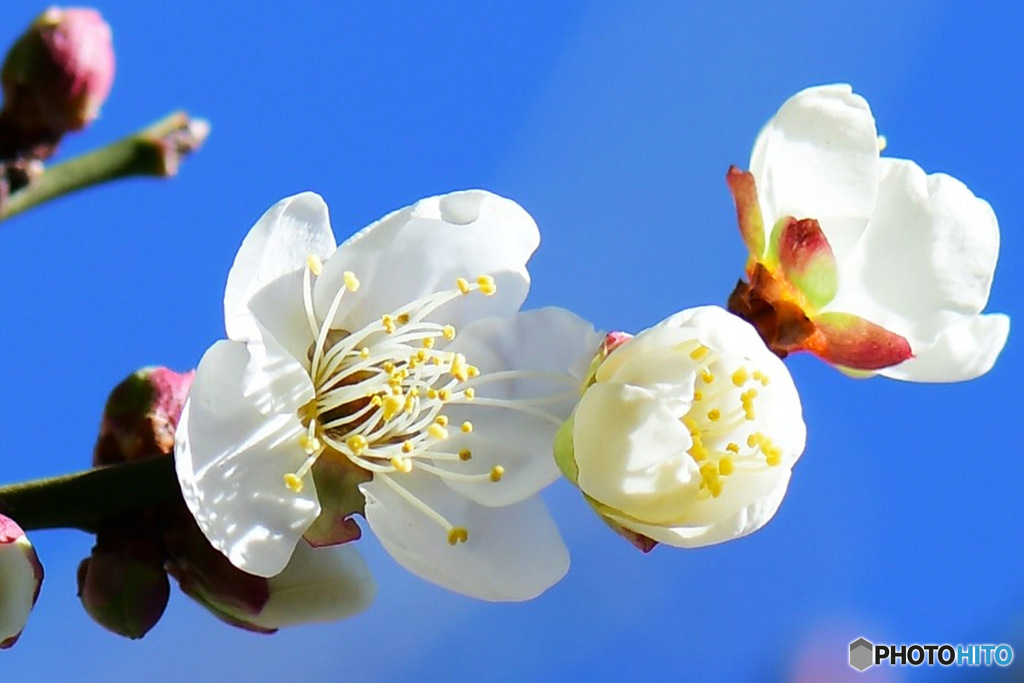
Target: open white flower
(21, 576)
(397, 362)
(871, 264)
(686, 433)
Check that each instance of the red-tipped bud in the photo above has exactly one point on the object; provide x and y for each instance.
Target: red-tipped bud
(21, 575)
(125, 590)
(141, 416)
(58, 74)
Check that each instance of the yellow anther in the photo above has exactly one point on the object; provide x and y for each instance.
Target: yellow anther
(309, 443)
(714, 415)
(740, 377)
(436, 360)
(699, 352)
(357, 444)
(351, 281)
(486, 284)
(388, 367)
(428, 342)
(497, 472)
(431, 394)
(698, 396)
(691, 426)
(715, 487)
(442, 420)
(698, 452)
(388, 322)
(706, 375)
(472, 370)
(315, 265)
(377, 401)
(755, 439)
(403, 319)
(421, 355)
(466, 427)
(747, 400)
(733, 447)
(444, 394)
(364, 353)
(292, 480)
(410, 404)
(392, 406)
(773, 456)
(460, 370)
(469, 393)
(403, 465)
(407, 447)
(465, 454)
(725, 466)
(457, 534)
(709, 478)
(463, 285)
(448, 331)
(437, 431)
(765, 380)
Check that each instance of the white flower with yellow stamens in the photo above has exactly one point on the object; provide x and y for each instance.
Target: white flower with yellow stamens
(686, 433)
(397, 363)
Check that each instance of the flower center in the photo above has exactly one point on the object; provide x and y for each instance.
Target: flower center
(723, 422)
(380, 393)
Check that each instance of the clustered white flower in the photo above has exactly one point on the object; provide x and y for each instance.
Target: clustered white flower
(910, 253)
(400, 358)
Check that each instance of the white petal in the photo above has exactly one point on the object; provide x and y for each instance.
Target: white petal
(423, 249)
(513, 553)
(319, 584)
(275, 382)
(278, 243)
(961, 351)
(631, 451)
(556, 347)
(818, 158)
(930, 249)
(278, 310)
(720, 527)
(20, 575)
(231, 461)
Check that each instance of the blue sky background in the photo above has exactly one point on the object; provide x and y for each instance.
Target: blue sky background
(613, 124)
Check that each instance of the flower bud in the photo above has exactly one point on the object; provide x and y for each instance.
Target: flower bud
(21, 575)
(141, 416)
(686, 433)
(59, 72)
(124, 590)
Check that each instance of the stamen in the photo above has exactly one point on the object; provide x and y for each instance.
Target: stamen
(314, 264)
(465, 454)
(740, 377)
(486, 284)
(497, 472)
(293, 483)
(448, 331)
(403, 465)
(466, 427)
(351, 281)
(463, 285)
(437, 431)
(457, 534)
(700, 352)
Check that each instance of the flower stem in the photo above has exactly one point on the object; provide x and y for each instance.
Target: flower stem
(156, 150)
(84, 499)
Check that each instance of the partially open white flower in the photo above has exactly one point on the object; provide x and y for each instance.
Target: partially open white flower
(870, 263)
(687, 433)
(21, 576)
(396, 362)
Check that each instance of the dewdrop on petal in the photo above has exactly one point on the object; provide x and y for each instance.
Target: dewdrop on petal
(672, 443)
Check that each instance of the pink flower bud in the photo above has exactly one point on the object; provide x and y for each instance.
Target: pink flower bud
(21, 575)
(58, 74)
(125, 590)
(141, 416)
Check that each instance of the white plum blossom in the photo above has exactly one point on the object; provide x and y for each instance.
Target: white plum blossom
(21, 576)
(397, 363)
(687, 433)
(870, 263)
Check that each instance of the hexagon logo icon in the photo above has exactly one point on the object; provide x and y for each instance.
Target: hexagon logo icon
(861, 654)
